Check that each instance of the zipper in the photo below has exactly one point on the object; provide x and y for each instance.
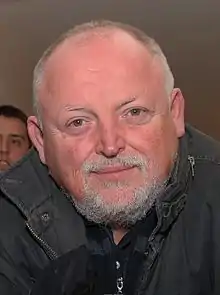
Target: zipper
(120, 279)
(192, 164)
(49, 251)
(120, 285)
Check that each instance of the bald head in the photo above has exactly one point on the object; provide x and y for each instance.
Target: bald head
(99, 35)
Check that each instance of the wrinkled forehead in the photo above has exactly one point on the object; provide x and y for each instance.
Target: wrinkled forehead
(107, 54)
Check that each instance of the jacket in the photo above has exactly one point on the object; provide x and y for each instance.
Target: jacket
(181, 255)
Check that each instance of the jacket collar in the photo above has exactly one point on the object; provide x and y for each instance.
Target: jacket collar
(173, 200)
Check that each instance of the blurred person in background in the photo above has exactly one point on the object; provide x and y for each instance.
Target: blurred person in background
(14, 139)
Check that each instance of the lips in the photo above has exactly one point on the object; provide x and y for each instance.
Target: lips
(113, 169)
(4, 165)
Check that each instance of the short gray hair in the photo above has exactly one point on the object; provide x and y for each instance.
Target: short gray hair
(91, 27)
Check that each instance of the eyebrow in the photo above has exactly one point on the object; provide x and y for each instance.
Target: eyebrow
(17, 136)
(71, 108)
(126, 102)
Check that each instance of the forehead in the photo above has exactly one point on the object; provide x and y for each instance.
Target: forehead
(98, 51)
(12, 126)
(103, 62)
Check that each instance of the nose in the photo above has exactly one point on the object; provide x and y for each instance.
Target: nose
(110, 140)
(4, 148)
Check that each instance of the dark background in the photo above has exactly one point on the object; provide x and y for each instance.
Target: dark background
(187, 30)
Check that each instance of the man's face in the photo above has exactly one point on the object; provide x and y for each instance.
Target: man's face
(110, 130)
(14, 142)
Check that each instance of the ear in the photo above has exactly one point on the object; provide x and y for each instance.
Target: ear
(36, 136)
(177, 111)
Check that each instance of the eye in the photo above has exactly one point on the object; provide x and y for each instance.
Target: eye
(76, 123)
(16, 142)
(138, 116)
(135, 112)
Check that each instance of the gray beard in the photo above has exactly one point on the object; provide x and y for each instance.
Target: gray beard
(94, 208)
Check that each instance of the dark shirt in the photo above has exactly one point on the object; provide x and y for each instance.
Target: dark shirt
(118, 266)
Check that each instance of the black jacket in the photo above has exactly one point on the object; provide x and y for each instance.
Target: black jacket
(71, 273)
(182, 256)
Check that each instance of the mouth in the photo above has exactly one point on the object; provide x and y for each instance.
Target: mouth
(4, 165)
(113, 169)
(115, 173)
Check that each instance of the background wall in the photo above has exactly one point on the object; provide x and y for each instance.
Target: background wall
(188, 31)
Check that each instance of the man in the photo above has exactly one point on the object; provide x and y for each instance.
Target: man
(115, 171)
(14, 140)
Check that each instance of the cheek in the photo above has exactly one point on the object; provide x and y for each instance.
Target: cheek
(17, 153)
(77, 151)
(70, 149)
(65, 157)
(69, 169)
(157, 141)
(146, 139)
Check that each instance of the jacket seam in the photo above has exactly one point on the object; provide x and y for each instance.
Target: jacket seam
(208, 159)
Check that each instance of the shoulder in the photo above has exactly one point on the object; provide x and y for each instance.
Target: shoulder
(204, 189)
(202, 146)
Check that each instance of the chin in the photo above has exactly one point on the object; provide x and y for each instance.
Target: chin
(119, 196)
(114, 192)
(118, 206)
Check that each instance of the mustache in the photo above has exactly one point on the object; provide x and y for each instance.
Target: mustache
(124, 161)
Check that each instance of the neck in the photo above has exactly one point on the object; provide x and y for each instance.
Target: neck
(118, 234)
